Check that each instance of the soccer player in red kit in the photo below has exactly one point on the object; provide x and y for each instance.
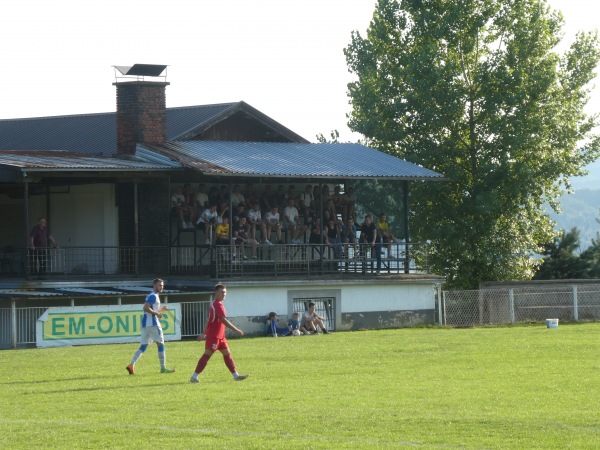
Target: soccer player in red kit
(214, 334)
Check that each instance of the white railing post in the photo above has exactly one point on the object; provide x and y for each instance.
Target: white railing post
(511, 305)
(444, 307)
(13, 323)
(575, 306)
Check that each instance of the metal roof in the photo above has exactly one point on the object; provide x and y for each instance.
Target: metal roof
(279, 159)
(95, 134)
(70, 161)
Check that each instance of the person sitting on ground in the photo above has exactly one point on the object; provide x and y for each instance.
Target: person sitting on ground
(273, 223)
(222, 232)
(295, 327)
(371, 239)
(206, 221)
(292, 222)
(255, 221)
(241, 236)
(271, 328)
(312, 321)
(386, 234)
(180, 208)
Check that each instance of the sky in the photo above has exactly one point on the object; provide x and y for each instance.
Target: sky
(283, 57)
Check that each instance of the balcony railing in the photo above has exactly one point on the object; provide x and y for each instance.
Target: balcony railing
(220, 261)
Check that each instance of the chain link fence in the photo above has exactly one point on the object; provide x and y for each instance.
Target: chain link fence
(513, 305)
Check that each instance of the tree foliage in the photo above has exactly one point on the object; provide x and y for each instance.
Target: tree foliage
(564, 261)
(474, 89)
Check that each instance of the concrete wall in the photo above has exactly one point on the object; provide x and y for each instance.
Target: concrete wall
(370, 304)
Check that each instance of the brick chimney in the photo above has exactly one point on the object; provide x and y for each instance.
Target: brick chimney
(141, 109)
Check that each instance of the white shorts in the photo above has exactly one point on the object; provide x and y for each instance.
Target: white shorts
(152, 334)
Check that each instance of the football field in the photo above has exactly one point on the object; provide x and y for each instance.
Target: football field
(514, 387)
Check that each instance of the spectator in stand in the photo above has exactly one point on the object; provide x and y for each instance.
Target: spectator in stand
(255, 221)
(206, 222)
(190, 201)
(350, 203)
(239, 211)
(251, 196)
(330, 212)
(315, 205)
(279, 198)
(224, 194)
(237, 197)
(334, 237)
(348, 236)
(339, 202)
(291, 221)
(266, 199)
(305, 201)
(180, 209)
(222, 211)
(316, 231)
(241, 235)
(201, 198)
(371, 239)
(291, 194)
(213, 197)
(273, 223)
(222, 232)
(386, 234)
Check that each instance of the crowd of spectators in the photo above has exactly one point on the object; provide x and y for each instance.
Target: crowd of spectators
(257, 216)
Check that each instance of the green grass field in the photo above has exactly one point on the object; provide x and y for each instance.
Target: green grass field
(518, 387)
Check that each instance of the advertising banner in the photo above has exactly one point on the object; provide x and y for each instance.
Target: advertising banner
(83, 325)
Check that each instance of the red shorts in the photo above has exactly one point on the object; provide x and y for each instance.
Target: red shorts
(215, 344)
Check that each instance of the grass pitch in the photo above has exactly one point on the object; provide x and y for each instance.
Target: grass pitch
(517, 387)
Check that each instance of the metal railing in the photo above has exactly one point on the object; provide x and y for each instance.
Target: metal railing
(220, 261)
(513, 305)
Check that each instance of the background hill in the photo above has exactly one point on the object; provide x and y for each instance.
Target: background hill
(582, 208)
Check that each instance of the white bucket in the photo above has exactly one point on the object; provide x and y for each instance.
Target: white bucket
(552, 323)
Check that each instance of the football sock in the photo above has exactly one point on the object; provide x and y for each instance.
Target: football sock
(162, 359)
(138, 353)
(229, 363)
(202, 363)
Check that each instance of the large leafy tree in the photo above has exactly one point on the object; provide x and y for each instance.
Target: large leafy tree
(476, 90)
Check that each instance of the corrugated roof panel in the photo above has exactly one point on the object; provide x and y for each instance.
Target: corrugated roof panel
(67, 161)
(340, 160)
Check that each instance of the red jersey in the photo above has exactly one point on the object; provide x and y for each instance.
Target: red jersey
(215, 328)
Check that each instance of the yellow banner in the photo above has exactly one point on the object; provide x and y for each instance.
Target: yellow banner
(98, 323)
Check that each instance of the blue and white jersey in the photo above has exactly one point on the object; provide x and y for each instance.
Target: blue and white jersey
(149, 320)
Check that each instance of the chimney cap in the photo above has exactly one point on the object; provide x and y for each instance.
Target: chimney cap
(141, 70)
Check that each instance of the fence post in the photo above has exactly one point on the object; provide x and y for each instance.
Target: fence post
(13, 323)
(575, 306)
(511, 305)
(443, 308)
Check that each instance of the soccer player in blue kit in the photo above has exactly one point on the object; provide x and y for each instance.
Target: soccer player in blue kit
(151, 328)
